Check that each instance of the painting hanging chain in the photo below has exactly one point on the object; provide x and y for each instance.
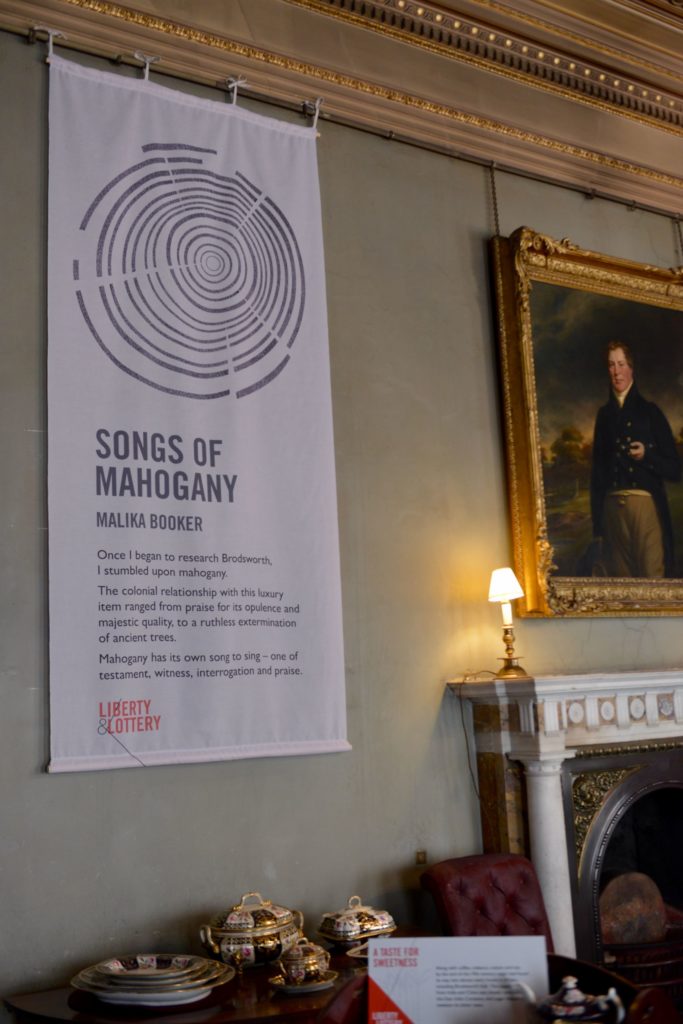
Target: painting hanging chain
(679, 235)
(494, 199)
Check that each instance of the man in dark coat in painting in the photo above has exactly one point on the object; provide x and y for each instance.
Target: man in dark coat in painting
(634, 452)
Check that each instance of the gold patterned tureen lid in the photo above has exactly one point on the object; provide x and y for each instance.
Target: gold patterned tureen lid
(304, 950)
(356, 922)
(253, 914)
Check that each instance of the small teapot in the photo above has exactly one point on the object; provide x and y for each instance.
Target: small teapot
(570, 1004)
(304, 962)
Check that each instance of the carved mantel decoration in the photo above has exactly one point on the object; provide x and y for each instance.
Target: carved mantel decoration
(589, 790)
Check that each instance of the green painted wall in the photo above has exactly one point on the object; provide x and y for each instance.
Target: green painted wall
(104, 862)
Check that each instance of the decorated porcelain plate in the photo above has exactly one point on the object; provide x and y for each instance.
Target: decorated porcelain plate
(211, 972)
(152, 967)
(326, 980)
(121, 997)
(173, 993)
(358, 952)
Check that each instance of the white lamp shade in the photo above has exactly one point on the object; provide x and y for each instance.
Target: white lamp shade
(504, 586)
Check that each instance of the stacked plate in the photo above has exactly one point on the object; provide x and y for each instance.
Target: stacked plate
(153, 979)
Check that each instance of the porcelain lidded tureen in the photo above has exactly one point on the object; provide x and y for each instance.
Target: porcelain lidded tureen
(355, 923)
(253, 932)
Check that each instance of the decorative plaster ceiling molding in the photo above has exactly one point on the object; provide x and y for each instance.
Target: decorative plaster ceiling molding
(477, 115)
(506, 52)
(627, 33)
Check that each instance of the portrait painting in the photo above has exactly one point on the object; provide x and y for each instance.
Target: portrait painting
(591, 369)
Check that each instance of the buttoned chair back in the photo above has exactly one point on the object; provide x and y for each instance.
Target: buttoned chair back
(488, 894)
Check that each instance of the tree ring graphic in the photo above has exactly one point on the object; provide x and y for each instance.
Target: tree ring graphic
(189, 280)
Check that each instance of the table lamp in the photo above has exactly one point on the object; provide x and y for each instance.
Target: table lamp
(504, 588)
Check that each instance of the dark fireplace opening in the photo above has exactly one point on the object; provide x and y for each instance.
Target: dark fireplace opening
(649, 839)
(641, 893)
(626, 812)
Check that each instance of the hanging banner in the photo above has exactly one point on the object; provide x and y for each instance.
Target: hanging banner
(195, 610)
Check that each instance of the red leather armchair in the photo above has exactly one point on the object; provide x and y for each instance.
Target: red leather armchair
(652, 1006)
(488, 894)
(350, 1004)
(499, 894)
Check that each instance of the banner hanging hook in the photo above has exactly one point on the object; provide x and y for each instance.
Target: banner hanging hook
(311, 108)
(233, 86)
(146, 59)
(318, 104)
(52, 34)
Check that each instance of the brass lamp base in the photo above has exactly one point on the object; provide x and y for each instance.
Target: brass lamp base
(511, 669)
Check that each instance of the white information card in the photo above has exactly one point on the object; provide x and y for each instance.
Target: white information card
(455, 980)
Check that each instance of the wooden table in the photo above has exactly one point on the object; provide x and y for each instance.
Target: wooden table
(246, 999)
(249, 999)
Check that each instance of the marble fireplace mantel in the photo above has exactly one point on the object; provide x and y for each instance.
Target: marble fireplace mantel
(541, 723)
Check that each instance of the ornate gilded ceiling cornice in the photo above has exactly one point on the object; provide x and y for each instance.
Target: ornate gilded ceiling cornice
(569, 34)
(312, 71)
(372, 98)
(480, 43)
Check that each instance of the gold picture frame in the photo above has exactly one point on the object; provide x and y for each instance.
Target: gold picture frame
(559, 306)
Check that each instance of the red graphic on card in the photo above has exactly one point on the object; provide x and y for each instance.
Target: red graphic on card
(381, 1009)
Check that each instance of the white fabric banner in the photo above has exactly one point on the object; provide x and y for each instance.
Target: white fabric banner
(195, 610)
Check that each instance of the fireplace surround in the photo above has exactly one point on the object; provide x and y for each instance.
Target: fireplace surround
(584, 774)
